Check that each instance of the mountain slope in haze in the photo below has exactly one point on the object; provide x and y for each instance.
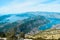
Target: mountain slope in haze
(37, 18)
(26, 25)
(53, 17)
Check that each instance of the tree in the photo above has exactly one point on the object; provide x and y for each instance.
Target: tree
(2, 34)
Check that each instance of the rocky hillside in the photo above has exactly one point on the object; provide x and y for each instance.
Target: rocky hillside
(51, 34)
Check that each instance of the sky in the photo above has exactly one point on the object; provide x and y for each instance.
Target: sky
(20, 6)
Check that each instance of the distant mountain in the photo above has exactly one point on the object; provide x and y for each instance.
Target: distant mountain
(25, 22)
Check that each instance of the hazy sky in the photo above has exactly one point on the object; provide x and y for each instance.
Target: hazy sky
(18, 6)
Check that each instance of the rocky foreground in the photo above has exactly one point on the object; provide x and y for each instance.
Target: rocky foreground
(46, 35)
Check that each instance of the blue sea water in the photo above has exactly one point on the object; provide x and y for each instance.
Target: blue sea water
(53, 21)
